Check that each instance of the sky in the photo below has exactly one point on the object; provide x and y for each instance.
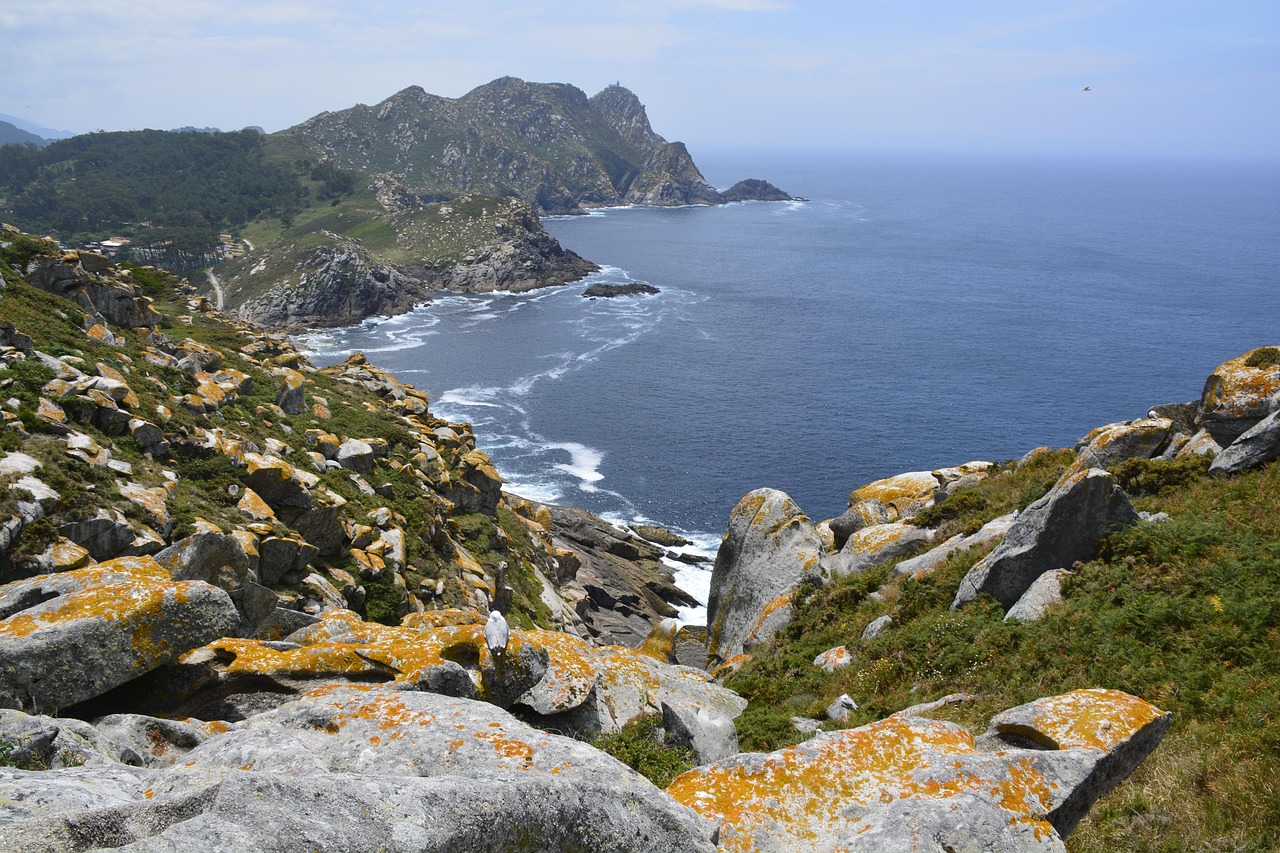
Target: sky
(1165, 78)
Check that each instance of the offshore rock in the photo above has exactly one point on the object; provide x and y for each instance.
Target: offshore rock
(754, 189)
(911, 784)
(1059, 529)
(771, 547)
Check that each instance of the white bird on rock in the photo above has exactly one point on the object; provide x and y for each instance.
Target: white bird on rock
(496, 634)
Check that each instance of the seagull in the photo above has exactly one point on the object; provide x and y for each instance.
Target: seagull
(496, 634)
(1087, 89)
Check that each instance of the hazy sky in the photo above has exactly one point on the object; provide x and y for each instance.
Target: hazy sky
(1167, 77)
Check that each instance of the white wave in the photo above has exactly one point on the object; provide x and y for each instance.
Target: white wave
(546, 493)
(696, 581)
(584, 462)
(451, 399)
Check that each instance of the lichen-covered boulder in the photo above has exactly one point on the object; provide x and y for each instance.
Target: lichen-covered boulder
(1123, 728)
(585, 689)
(769, 549)
(72, 636)
(876, 545)
(924, 564)
(360, 768)
(1107, 445)
(1059, 529)
(1239, 393)
(911, 784)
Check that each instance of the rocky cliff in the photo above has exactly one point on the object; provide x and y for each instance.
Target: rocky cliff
(322, 277)
(243, 604)
(546, 143)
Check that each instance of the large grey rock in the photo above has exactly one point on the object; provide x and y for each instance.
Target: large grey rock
(1061, 528)
(710, 735)
(1116, 442)
(215, 558)
(1044, 592)
(770, 548)
(356, 455)
(104, 535)
(875, 545)
(361, 769)
(1259, 445)
(912, 784)
(72, 636)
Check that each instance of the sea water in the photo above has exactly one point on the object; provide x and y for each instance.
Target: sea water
(914, 312)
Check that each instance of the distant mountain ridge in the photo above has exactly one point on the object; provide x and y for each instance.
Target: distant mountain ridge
(547, 143)
(11, 134)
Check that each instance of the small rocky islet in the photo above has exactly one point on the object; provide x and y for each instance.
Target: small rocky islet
(244, 598)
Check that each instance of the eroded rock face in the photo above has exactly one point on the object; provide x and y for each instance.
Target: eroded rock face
(769, 549)
(359, 768)
(72, 636)
(911, 784)
(1053, 533)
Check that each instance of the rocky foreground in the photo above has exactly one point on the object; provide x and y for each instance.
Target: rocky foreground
(243, 608)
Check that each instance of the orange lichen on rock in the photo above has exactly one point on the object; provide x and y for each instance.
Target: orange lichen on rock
(442, 618)
(1096, 718)
(821, 790)
(114, 590)
(1236, 390)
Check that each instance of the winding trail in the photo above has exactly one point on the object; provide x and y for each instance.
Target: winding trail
(217, 287)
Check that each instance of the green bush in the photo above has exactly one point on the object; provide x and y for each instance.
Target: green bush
(640, 746)
(1140, 477)
(1263, 357)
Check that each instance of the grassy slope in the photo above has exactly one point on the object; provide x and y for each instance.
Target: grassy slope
(1185, 614)
(203, 487)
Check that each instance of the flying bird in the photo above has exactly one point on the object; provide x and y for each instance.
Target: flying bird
(496, 634)
(1087, 89)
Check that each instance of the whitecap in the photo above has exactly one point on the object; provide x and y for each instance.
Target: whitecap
(584, 462)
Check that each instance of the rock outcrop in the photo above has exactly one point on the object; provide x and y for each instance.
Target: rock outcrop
(357, 768)
(911, 784)
(1061, 528)
(342, 281)
(71, 636)
(769, 549)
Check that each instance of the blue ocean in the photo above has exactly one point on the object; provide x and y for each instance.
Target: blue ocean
(914, 311)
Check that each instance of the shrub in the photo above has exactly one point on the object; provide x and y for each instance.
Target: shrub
(1140, 477)
(640, 746)
(1263, 357)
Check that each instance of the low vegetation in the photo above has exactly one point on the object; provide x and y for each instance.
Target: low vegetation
(641, 747)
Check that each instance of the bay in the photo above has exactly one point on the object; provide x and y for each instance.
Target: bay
(916, 311)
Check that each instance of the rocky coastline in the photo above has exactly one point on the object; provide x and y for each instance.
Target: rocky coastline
(242, 603)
